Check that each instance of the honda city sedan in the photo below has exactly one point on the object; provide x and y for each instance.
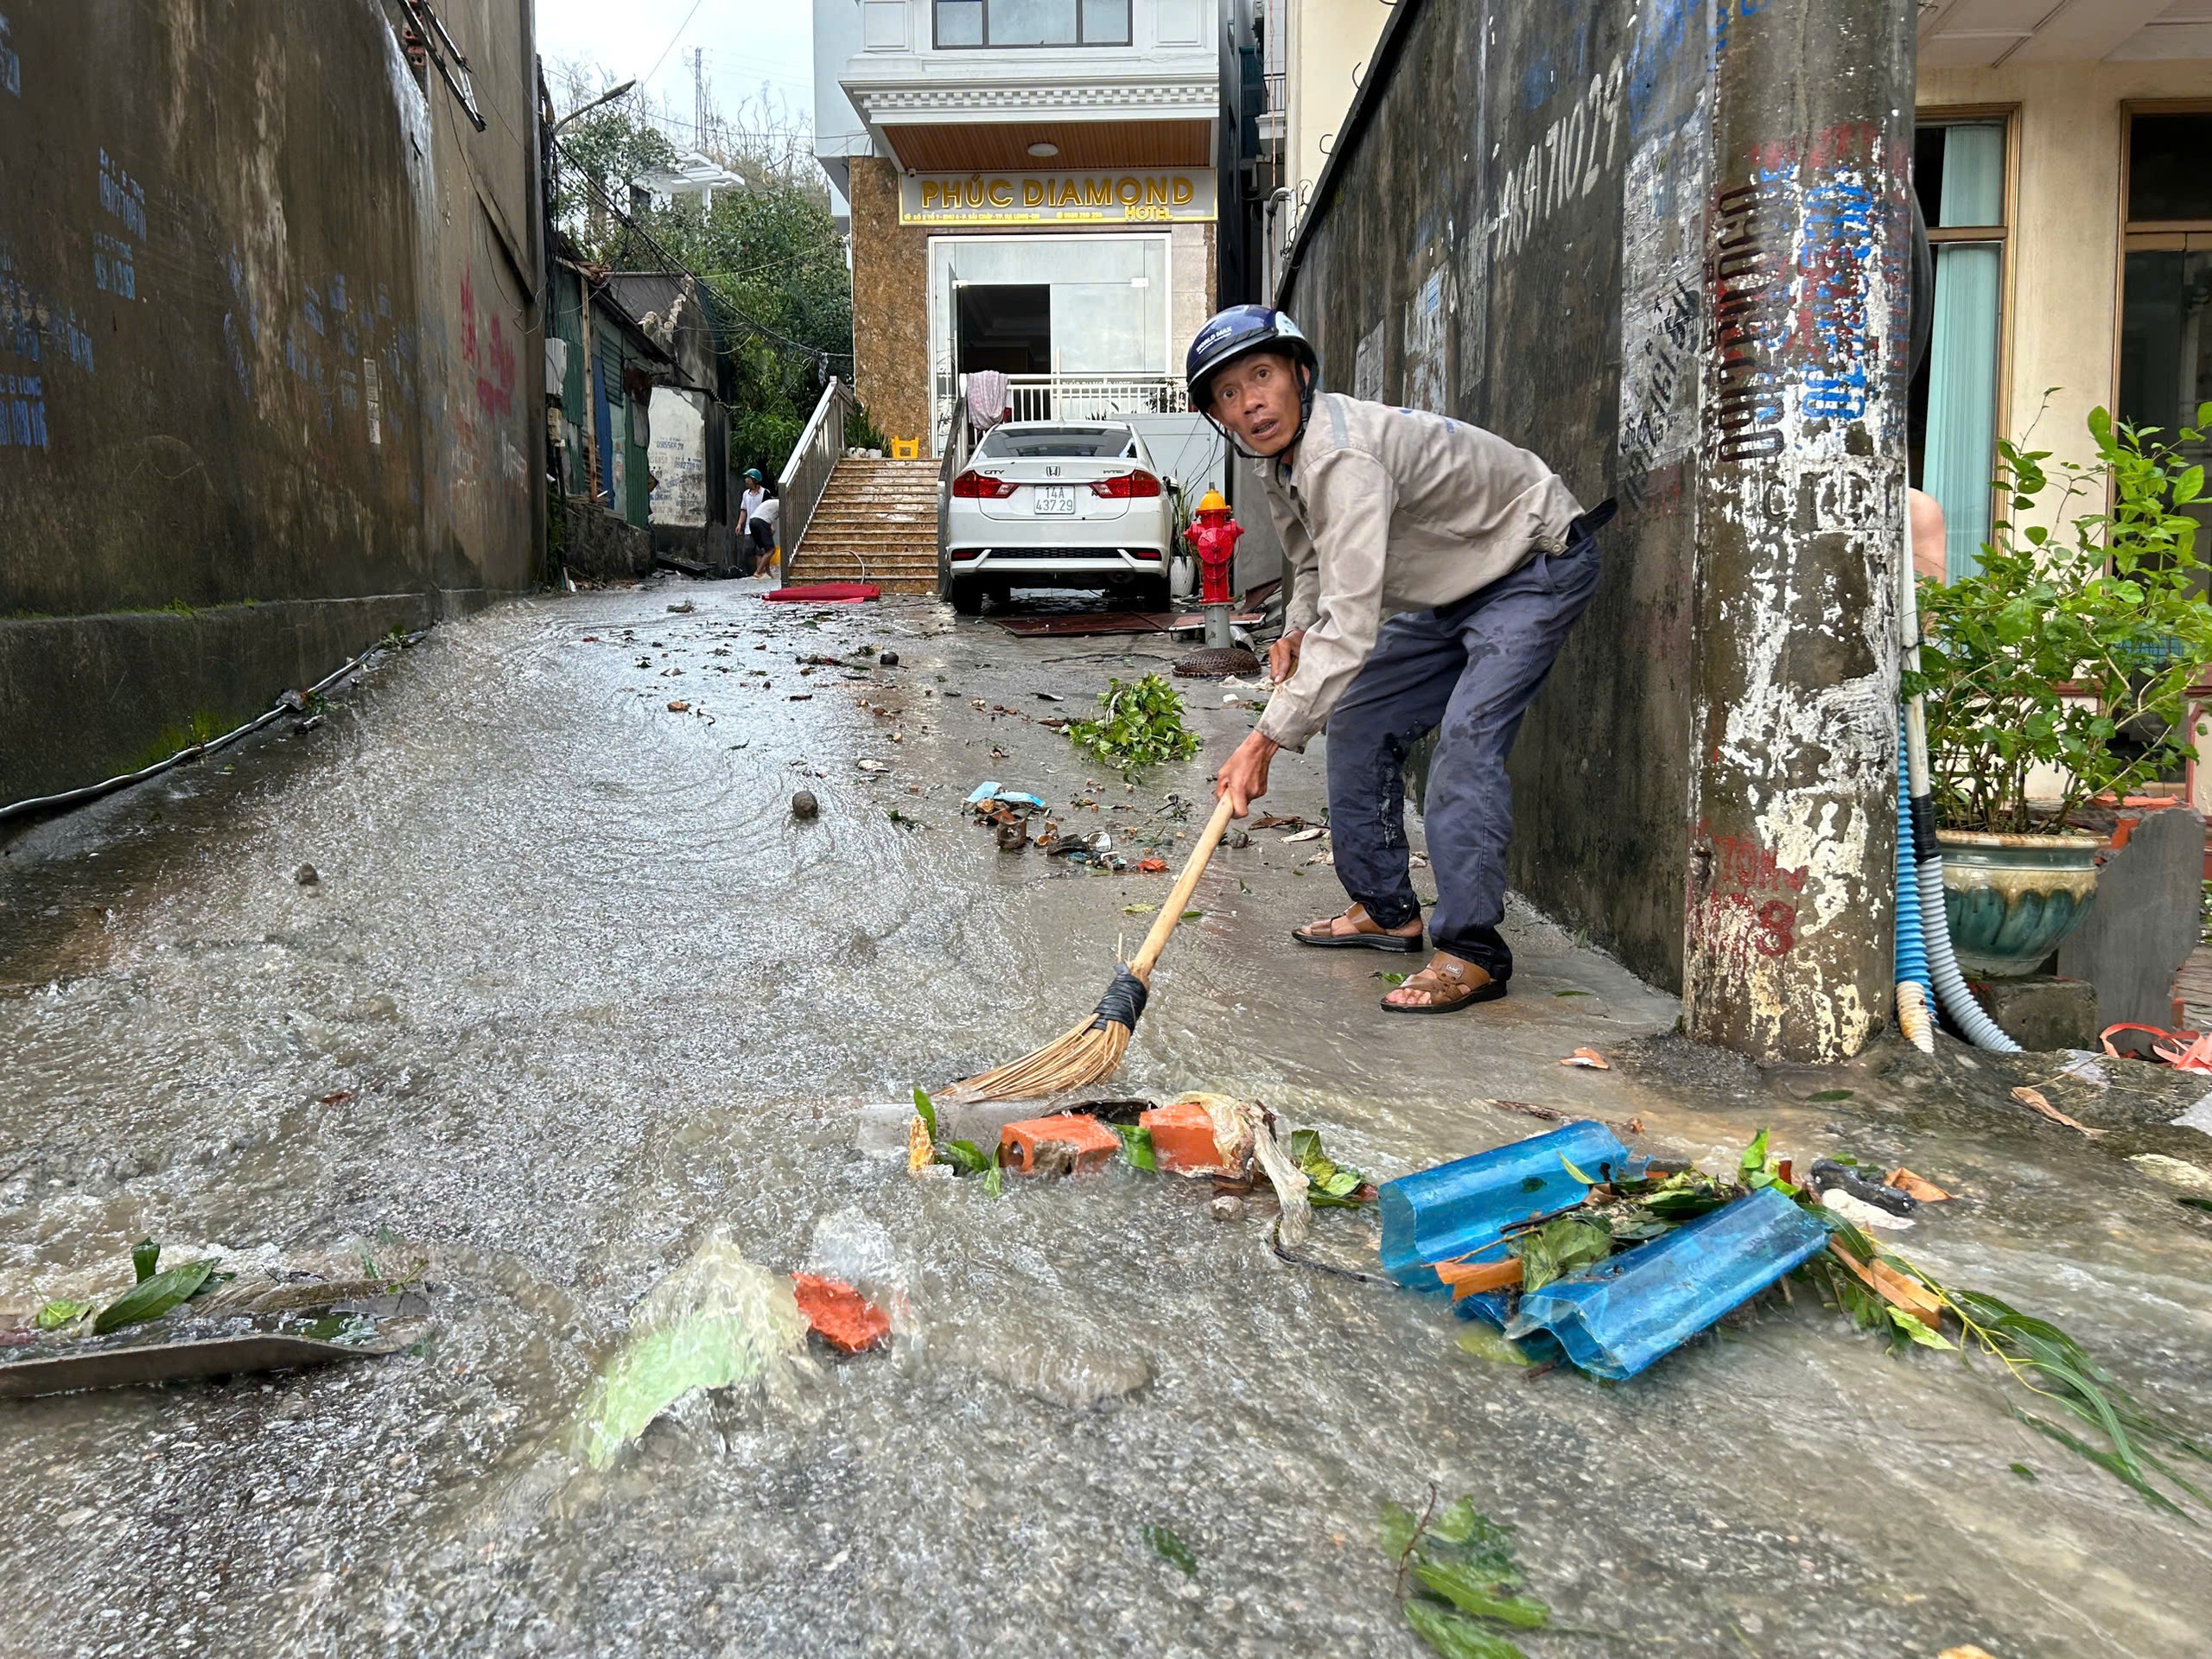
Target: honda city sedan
(1057, 504)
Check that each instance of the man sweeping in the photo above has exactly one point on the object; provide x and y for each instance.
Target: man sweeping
(1435, 571)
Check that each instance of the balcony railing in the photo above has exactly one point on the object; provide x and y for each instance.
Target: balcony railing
(1073, 397)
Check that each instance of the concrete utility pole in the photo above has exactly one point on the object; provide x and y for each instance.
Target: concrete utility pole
(1801, 515)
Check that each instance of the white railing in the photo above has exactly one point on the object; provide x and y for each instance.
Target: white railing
(806, 474)
(1073, 397)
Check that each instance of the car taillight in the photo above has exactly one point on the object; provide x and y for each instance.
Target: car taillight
(978, 486)
(1139, 483)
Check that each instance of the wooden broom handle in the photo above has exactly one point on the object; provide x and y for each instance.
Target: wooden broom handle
(1186, 884)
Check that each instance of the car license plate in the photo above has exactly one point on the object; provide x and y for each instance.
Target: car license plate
(1052, 497)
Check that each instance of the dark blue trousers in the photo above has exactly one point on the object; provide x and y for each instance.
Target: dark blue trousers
(1467, 671)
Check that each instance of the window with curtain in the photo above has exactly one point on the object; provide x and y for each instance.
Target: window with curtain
(1959, 172)
(1031, 22)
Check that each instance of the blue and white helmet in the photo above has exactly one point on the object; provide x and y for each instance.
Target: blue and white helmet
(1238, 332)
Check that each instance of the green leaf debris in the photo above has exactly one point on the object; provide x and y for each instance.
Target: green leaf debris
(1459, 1581)
(1137, 725)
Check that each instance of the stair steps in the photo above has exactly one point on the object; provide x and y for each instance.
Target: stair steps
(876, 522)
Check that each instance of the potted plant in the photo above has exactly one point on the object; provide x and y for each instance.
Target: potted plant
(2064, 662)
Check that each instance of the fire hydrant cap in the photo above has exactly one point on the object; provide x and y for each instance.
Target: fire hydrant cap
(1211, 501)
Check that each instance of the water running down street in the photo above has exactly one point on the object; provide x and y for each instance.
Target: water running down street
(573, 988)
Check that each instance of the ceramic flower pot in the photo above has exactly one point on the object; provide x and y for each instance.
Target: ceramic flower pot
(2011, 899)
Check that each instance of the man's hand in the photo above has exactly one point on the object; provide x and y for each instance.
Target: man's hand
(1282, 659)
(1244, 777)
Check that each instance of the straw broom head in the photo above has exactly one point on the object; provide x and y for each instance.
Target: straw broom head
(1089, 1053)
(1092, 1052)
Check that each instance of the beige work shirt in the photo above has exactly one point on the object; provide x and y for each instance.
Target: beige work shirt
(1386, 510)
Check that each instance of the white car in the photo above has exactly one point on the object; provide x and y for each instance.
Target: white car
(1057, 504)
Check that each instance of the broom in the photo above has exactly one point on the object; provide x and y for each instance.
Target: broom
(1094, 1049)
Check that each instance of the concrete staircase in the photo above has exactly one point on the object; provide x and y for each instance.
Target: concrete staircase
(876, 522)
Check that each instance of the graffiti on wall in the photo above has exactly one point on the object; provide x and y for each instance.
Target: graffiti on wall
(1427, 358)
(124, 199)
(1562, 165)
(39, 332)
(1805, 307)
(1747, 907)
(1663, 260)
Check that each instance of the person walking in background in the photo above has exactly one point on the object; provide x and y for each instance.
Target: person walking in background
(748, 503)
(760, 526)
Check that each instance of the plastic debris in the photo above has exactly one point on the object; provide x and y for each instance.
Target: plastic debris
(1617, 1318)
(716, 1321)
(1826, 1173)
(2086, 1067)
(839, 1315)
(1152, 867)
(983, 794)
(1289, 1182)
(1862, 1215)
(1590, 1058)
(1460, 1210)
(2185, 1050)
(1296, 836)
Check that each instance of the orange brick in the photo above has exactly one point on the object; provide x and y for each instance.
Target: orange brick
(1088, 1143)
(1182, 1135)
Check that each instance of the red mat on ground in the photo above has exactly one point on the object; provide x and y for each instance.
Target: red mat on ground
(825, 593)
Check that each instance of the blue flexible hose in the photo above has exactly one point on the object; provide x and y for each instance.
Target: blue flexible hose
(1912, 947)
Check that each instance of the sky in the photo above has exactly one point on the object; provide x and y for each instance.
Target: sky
(747, 41)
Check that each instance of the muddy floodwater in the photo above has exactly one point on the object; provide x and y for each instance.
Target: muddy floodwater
(574, 988)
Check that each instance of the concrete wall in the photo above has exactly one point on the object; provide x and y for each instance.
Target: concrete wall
(1516, 239)
(2061, 280)
(273, 304)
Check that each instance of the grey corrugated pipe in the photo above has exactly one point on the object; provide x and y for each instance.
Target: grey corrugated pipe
(1958, 1003)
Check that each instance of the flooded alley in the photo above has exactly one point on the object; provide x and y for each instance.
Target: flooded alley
(571, 988)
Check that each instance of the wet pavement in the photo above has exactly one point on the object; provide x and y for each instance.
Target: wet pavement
(574, 988)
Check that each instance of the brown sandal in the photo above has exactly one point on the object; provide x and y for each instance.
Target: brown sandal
(1367, 934)
(1446, 973)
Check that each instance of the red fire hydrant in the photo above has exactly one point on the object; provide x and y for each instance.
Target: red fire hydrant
(1212, 536)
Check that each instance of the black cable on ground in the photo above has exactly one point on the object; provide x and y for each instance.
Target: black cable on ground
(291, 702)
(1275, 1243)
